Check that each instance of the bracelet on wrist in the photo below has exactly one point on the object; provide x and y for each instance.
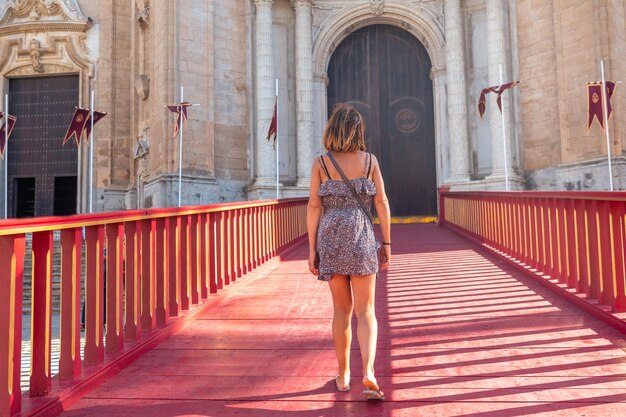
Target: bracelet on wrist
(386, 243)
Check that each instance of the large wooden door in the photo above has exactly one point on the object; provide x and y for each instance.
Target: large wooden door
(42, 178)
(384, 72)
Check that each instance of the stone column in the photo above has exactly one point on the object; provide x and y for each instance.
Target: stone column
(304, 89)
(265, 93)
(457, 93)
(496, 49)
(320, 110)
(438, 75)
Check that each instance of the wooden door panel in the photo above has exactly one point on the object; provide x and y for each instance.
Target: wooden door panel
(44, 107)
(385, 73)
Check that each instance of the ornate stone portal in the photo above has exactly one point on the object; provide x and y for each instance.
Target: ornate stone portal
(47, 37)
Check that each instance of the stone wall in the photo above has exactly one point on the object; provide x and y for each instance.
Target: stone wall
(538, 75)
(232, 98)
(560, 45)
(112, 135)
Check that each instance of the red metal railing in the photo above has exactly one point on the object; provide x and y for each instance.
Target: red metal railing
(158, 263)
(576, 238)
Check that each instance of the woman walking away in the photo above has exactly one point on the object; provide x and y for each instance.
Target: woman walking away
(342, 246)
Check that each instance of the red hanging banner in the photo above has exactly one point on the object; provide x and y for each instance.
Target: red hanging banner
(81, 124)
(595, 109)
(273, 130)
(97, 115)
(498, 90)
(181, 110)
(77, 125)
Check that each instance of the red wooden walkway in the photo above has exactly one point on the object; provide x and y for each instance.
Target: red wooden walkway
(460, 335)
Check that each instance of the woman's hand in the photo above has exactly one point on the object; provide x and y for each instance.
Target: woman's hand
(385, 264)
(312, 268)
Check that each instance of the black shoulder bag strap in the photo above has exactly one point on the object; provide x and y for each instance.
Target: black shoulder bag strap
(351, 187)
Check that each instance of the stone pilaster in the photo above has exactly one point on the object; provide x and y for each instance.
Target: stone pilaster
(457, 92)
(304, 89)
(265, 93)
(496, 49)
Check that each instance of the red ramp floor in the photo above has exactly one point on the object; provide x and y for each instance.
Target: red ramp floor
(460, 335)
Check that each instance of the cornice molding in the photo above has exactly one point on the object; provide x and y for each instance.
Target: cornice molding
(19, 16)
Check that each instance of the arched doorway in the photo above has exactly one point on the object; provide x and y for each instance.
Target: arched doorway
(384, 72)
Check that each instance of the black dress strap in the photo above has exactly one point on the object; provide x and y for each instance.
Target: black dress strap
(369, 165)
(321, 159)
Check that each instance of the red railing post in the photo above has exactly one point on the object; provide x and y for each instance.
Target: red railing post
(518, 234)
(41, 332)
(272, 225)
(528, 242)
(231, 246)
(12, 250)
(246, 241)
(227, 238)
(255, 236)
(266, 234)
(564, 241)
(240, 244)
(148, 275)
(132, 326)
(593, 289)
(507, 230)
(94, 295)
(212, 263)
(582, 247)
(194, 260)
(204, 254)
(543, 214)
(174, 269)
(114, 288)
(71, 248)
(618, 211)
(533, 249)
(605, 254)
(219, 249)
(571, 249)
(162, 291)
(235, 244)
(498, 224)
(185, 259)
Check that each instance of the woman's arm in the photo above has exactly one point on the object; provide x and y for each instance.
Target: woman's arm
(313, 214)
(382, 208)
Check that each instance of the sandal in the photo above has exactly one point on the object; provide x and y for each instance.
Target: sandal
(372, 390)
(342, 388)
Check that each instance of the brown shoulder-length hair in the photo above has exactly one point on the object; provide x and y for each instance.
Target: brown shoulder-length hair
(345, 130)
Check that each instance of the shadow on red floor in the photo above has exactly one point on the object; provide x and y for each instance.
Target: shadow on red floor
(460, 335)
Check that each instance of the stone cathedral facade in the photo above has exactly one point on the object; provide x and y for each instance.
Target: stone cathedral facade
(415, 68)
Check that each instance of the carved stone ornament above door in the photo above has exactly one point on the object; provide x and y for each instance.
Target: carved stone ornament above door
(44, 37)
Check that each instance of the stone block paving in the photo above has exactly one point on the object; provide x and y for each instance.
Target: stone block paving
(460, 335)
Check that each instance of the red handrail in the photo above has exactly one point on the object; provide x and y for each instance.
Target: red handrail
(576, 238)
(157, 263)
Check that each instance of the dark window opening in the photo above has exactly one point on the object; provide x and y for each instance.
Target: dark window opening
(64, 196)
(24, 197)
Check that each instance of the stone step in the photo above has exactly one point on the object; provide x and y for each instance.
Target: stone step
(56, 275)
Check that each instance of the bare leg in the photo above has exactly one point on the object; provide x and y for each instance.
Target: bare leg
(364, 290)
(342, 330)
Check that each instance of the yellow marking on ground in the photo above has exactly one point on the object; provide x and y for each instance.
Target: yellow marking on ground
(411, 220)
